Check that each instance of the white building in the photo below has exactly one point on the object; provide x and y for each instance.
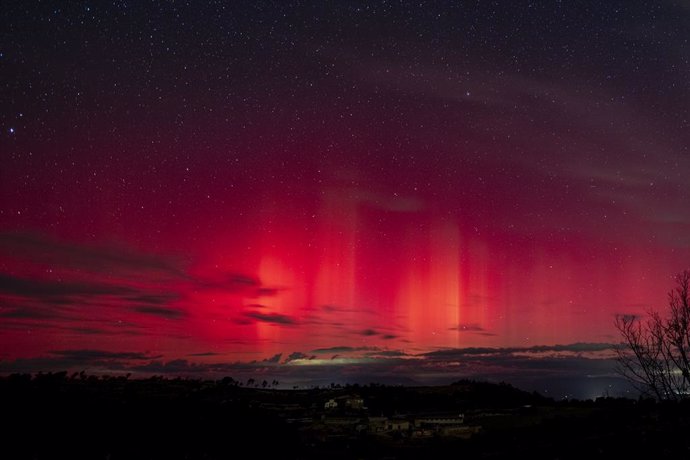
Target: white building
(330, 404)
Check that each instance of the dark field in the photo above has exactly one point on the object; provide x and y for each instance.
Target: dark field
(58, 416)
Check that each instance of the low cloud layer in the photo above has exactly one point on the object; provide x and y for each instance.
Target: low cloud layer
(590, 364)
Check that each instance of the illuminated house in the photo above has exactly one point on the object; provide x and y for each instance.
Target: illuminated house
(354, 403)
(331, 404)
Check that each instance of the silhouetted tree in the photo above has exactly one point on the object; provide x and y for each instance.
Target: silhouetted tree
(655, 354)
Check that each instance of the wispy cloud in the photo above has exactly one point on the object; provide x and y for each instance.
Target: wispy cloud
(458, 353)
(273, 359)
(29, 313)
(297, 355)
(64, 285)
(57, 290)
(274, 318)
(98, 355)
(163, 312)
(111, 259)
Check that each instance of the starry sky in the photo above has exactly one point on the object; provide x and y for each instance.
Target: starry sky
(335, 189)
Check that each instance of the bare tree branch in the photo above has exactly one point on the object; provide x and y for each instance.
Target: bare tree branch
(655, 353)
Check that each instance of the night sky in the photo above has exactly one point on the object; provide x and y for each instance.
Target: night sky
(338, 190)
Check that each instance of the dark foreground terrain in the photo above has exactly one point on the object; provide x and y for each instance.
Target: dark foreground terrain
(58, 416)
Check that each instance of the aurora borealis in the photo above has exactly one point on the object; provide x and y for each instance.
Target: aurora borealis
(357, 182)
